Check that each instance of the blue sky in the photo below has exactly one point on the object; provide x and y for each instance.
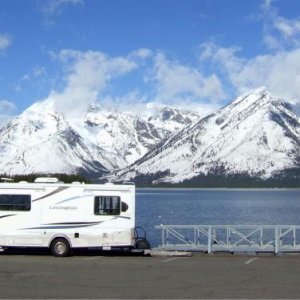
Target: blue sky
(193, 53)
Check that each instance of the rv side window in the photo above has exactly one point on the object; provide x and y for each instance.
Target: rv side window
(107, 205)
(15, 202)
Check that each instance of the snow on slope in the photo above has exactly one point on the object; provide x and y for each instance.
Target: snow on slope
(256, 133)
(167, 119)
(42, 140)
(128, 137)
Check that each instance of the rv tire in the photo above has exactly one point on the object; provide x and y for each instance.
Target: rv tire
(60, 247)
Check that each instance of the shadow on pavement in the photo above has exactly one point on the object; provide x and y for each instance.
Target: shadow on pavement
(76, 252)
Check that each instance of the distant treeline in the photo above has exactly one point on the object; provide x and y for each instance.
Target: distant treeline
(67, 178)
(286, 179)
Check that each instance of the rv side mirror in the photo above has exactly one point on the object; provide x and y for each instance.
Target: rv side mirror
(124, 207)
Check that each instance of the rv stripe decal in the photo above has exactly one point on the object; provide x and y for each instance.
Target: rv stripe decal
(58, 190)
(73, 198)
(6, 216)
(66, 225)
(75, 223)
(121, 217)
(57, 227)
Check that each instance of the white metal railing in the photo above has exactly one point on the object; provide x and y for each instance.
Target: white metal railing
(231, 238)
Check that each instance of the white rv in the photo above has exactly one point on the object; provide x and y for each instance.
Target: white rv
(48, 213)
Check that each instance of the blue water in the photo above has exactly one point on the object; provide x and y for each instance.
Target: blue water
(215, 207)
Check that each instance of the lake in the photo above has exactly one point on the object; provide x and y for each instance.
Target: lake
(215, 207)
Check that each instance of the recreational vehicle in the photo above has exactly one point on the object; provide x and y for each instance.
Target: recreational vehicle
(49, 213)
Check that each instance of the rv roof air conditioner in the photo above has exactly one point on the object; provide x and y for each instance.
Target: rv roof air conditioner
(47, 180)
(5, 179)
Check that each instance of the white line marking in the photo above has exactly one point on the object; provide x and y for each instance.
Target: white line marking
(171, 259)
(250, 260)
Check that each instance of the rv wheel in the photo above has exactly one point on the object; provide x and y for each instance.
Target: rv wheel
(142, 244)
(60, 247)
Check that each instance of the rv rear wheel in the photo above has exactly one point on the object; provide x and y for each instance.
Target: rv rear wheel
(60, 247)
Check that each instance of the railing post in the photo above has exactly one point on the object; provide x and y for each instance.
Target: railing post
(276, 240)
(198, 236)
(227, 237)
(163, 236)
(209, 239)
(168, 234)
(294, 237)
(280, 237)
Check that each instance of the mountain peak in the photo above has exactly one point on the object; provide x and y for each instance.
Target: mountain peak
(100, 139)
(259, 100)
(261, 90)
(257, 134)
(253, 96)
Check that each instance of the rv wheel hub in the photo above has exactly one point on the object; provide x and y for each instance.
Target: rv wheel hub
(60, 248)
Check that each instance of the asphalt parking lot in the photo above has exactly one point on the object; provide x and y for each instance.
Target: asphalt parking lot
(89, 275)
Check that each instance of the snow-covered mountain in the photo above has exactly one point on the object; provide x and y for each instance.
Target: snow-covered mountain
(128, 136)
(42, 140)
(168, 119)
(256, 133)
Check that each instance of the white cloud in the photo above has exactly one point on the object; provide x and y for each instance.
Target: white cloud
(227, 56)
(132, 102)
(271, 41)
(34, 73)
(279, 72)
(282, 33)
(177, 83)
(266, 4)
(142, 53)
(137, 104)
(279, 32)
(6, 107)
(288, 28)
(35, 78)
(53, 8)
(87, 75)
(5, 41)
